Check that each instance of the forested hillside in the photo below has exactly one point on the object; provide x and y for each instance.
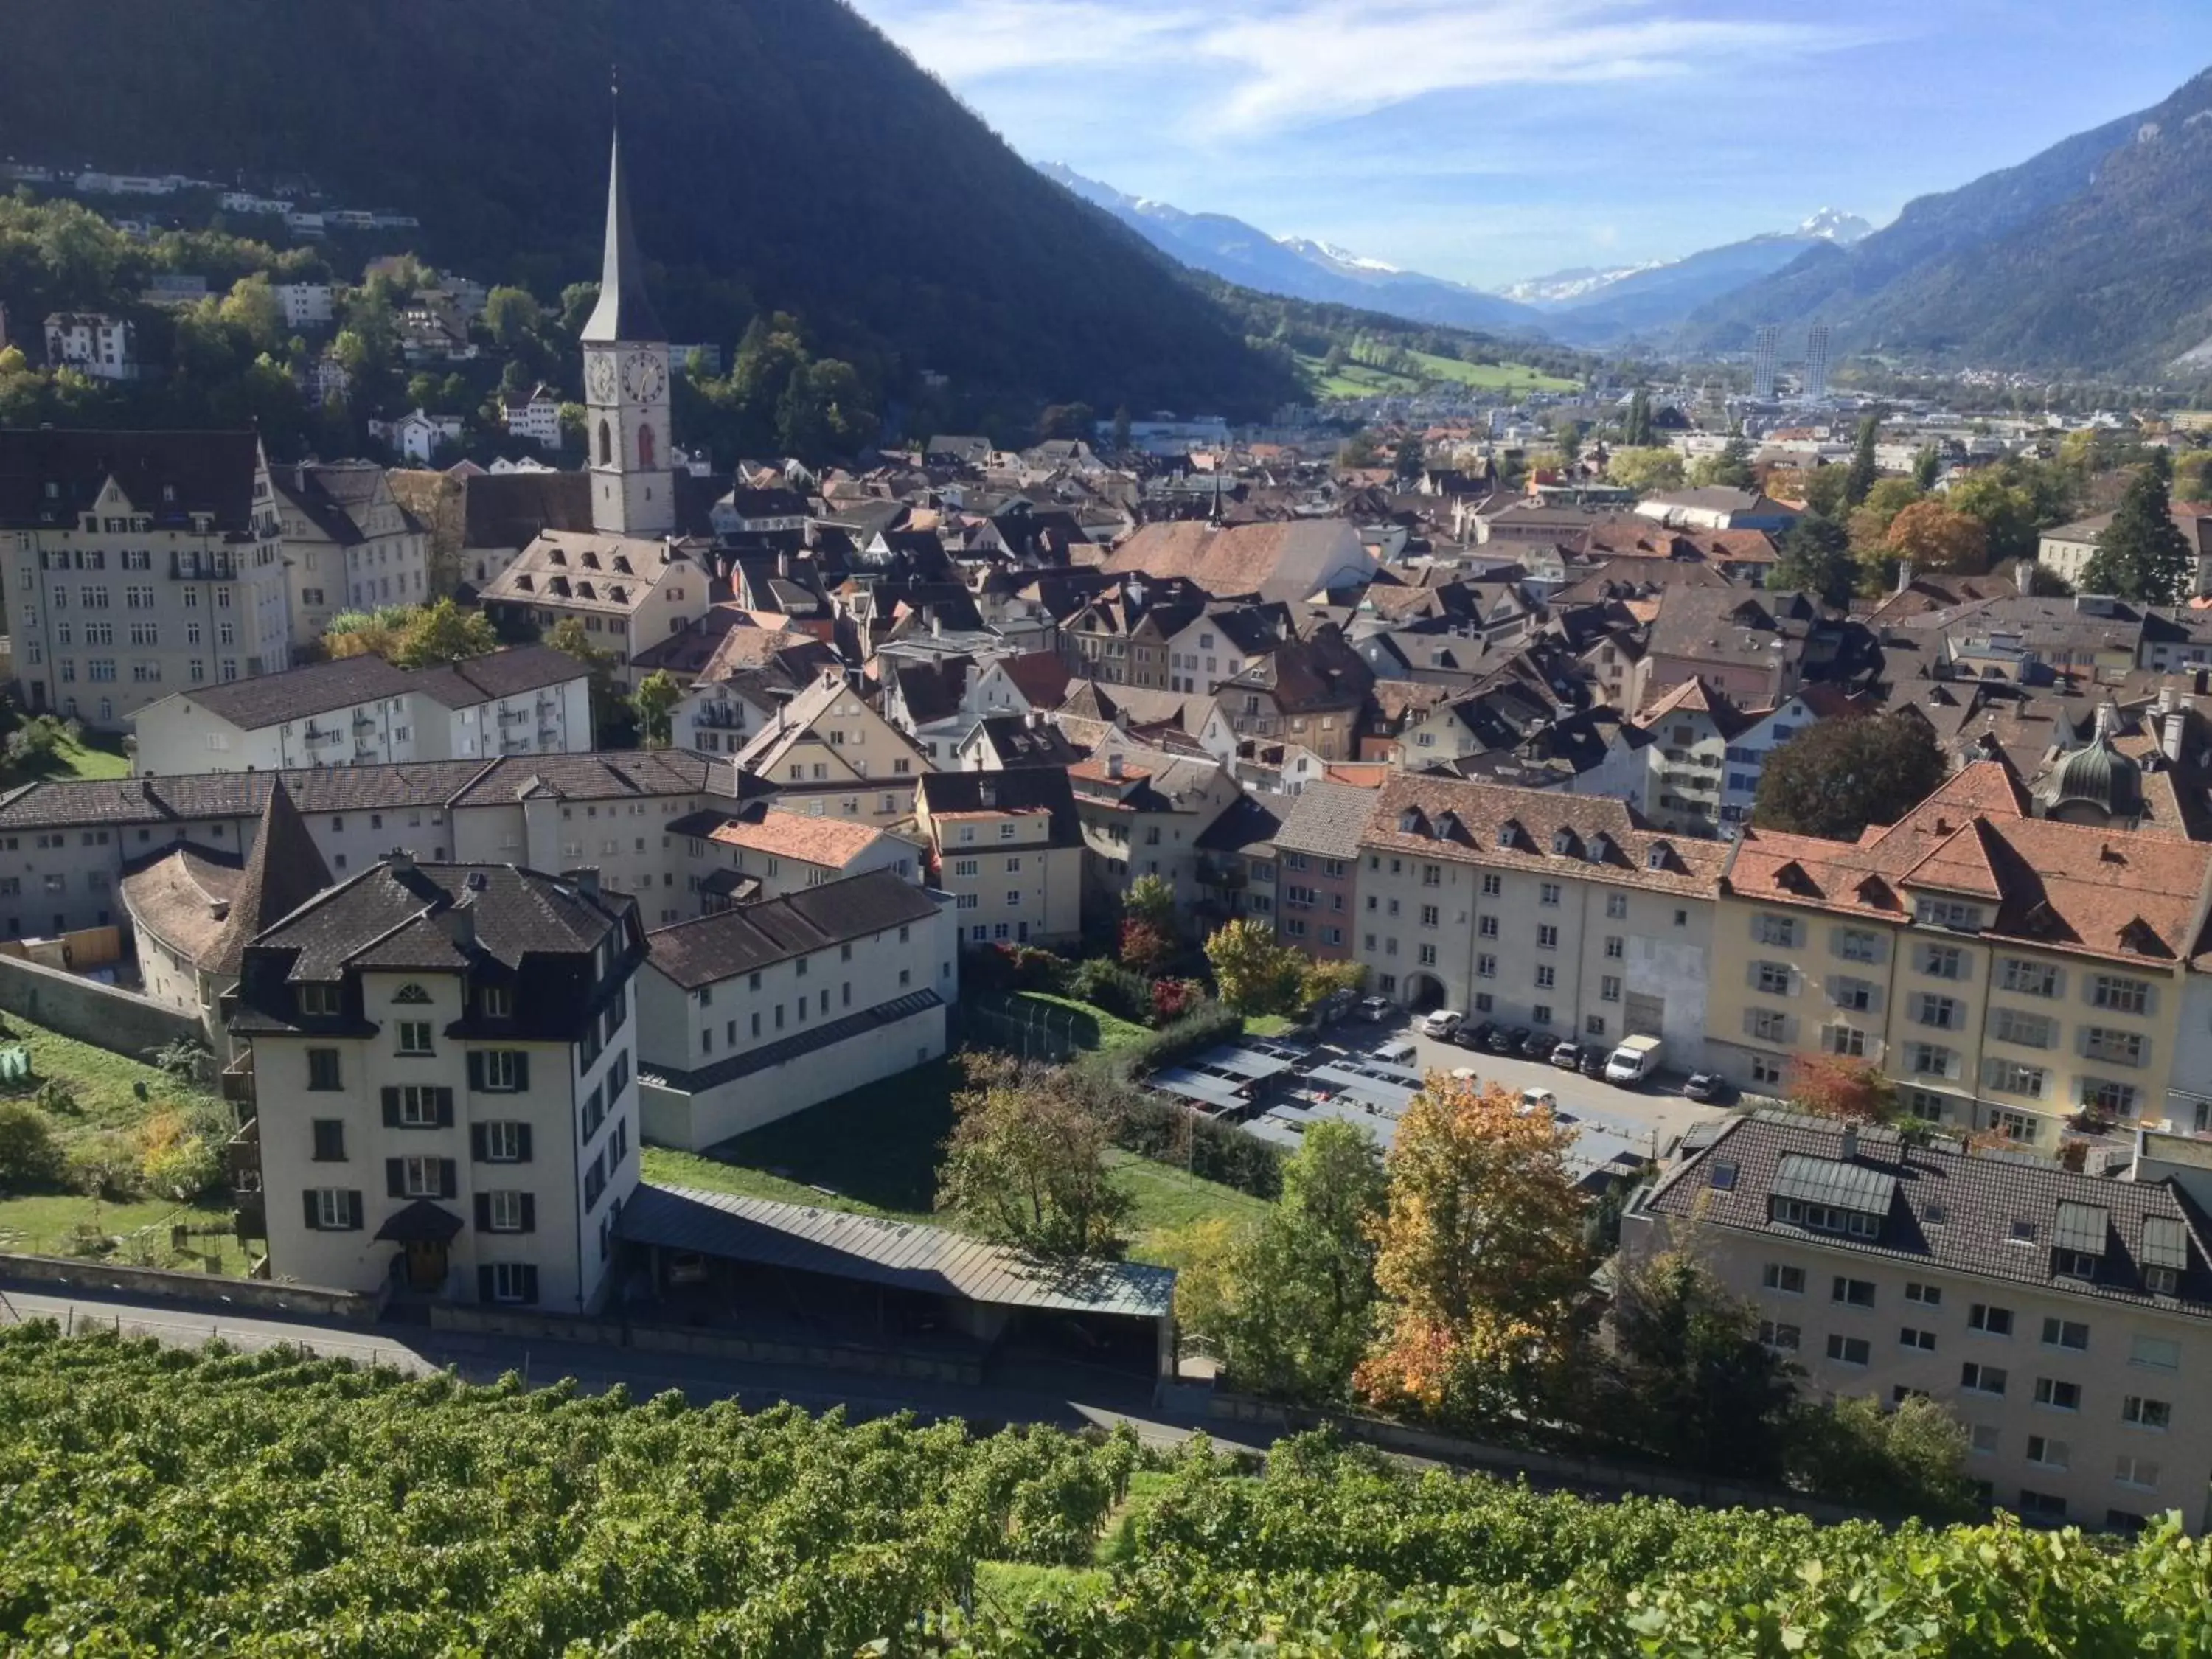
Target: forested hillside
(783, 155)
(155, 1501)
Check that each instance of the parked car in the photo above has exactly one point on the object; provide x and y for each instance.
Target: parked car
(1507, 1040)
(1476, 1035)
(1538, 1045)
(1567, 1056)
(1378, 1009)
(1439, 1023)
(1400, 1052)
(1707, 1086)
(1532, 1099)
(1593, 1062)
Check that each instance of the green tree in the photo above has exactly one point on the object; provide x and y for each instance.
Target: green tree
(654, 702)
(252, 308)
(1257, 975)
(1289, 1305)
(1406, 457)
(30, 1159)
(2142, 555)
(1121, 430)
(1815, 558)
(1730, 469)
(1357, 452)
(1025, 1164)
(2006, 513)
(1839, 775)
(1909, 1461)
(1871, 518)
(1687, 1378)
(1825, 489)
(1927, 466)
(1644, 469)
(1066, 421)
(442, 632)
(1637, 431)
(1861, 476)
(1320, 981)
(1151, 900)
(512, 317)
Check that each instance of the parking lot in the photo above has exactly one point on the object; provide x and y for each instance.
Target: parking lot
(1655, 1111)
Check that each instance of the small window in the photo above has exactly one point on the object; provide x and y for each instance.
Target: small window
(2140, 1413)
(329, 1141)
(1927, 1295)
(1852, 1292)
(498, 1001)
(415, 1036)
(1849, 1350)
(323, 1070)
(2059, 1396)
(317, 998)
(411, 995)
(1991, 1320)
(1790, 1281)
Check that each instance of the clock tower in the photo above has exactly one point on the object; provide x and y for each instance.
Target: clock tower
(626, 387)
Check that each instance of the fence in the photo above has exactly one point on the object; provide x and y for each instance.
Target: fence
(1031, 1029)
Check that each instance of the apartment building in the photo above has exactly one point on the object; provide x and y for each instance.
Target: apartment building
(827, 741)
(92, 344)
(1562, 913)
(2006, 972)
(348, 544)
(755, 1013)
(361, 711)
(628, 592)
(1142, 813)
(1007, 847)
(2062, 1318)
(444, 1083)
(1317, 868)
(137, 564)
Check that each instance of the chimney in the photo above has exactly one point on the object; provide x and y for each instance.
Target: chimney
(401, 862)
(459, 922)
(1113, 766)
(2171, 731)
(783, 566)
(588, 881)
(1903, 574)
(1851, 1142)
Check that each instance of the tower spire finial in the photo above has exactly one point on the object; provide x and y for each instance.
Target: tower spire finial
(624, 313)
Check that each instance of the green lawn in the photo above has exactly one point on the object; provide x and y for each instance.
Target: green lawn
(99, 756)
(875, 1151)
(1358, 379)
(43, 1225)
(1269, 1025)
(108, 1085)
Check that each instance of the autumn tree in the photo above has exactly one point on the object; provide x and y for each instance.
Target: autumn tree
(1151, 900)
(2008, 513)
(1644, 468)
(1687, 1377)
(2141, 555)
(1839, 775)
(1025, 1164)
(1320, 981)
(364, 632)
(1144, 949)
(441, 632)
(1936, 539)
(1256, 974)
(1480, 1259)
(1838, 1086)
(1871, 518)
(1288, 1303)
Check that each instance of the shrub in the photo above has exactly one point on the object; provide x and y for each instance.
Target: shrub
(1145, 948)
(181, 1170)
(105, 1165)
(1109, 986)
(1174, 997)
(29, 1158)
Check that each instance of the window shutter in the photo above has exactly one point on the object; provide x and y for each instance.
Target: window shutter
(530, 1283)
(449, 1177)
(477, 1147)
(476, 1072)
(395, 1176)
(529, 1212)
(445, 1105)
(391, 1106)
(483, 1212)
(521, 1069)
(312, 1215)
(353, 1210)
(483, 1284)
(522, 1148)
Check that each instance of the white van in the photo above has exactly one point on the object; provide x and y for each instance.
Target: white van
(1400, 1053)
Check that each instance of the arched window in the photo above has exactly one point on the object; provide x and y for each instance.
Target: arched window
(412, 994)
(606, 445)
(645, 463)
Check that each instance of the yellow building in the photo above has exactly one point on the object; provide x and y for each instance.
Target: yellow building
(1008, 847)
(2006, 972)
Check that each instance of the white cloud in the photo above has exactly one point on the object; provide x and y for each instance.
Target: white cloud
(1272, 65)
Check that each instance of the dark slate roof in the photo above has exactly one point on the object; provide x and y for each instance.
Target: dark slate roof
(624, 313)
(715, 948)
(49, 477)
(1012, 741)
(295, 694)
(304, 487)
(209, 795)
(502, 674)
(285, 871)
(1027, 788)
(509, 509)
(605, 774)
(1996, 1215)
(1246, 825)
(1326, 818)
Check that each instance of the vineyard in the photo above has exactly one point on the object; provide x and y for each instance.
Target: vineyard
(155, 1501)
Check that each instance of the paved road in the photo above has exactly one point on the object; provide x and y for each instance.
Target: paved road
(1657, 1111)
(1070, 1396)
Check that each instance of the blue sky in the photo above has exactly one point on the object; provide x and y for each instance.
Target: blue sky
(1489, 140)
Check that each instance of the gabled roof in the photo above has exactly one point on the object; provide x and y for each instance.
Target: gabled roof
(284, 871)
(712, 949)
(1020, 789)
(50, 478)
(832, 843)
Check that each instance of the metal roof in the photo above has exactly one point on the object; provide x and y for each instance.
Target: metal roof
(1245, 1062)
(1828, 1180)
(2082, 1227)
(1196, 1085)
(903, 1254)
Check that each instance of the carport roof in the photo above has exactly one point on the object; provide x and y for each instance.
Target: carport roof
(903, 1254)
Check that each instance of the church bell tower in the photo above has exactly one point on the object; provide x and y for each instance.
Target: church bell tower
(626, 387)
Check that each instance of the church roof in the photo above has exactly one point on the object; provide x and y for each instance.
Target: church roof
(624, 313)
(284, 871)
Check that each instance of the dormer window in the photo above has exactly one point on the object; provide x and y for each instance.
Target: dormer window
(498, 1002)
(1563, 841)
(319, 1000)
(1600, 849)
(1449, 827)
(411, 995)
(1409, 822)
(1509, 834)
(1658, 856)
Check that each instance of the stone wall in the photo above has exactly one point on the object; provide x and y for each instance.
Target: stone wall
(119, 1021)
(60, 1275)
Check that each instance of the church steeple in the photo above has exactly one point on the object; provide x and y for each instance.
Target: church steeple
(624, 313)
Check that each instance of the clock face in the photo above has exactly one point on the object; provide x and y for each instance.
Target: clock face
(601, 373)
(643, 378)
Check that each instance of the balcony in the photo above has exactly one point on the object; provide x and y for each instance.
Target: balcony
(237, 1080)
(719, 719)
(510, 716)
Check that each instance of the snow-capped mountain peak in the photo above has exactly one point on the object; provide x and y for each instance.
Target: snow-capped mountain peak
(1837, 226)
(1330, 253)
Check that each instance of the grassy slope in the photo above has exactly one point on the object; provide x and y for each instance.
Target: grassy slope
(1365, 381)
(99, 756)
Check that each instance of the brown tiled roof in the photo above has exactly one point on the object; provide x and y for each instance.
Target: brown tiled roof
(1605, 840)
(1242, 559)
(831, 841)
(182, 896)
(1940, 1203)
(2056, 886)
